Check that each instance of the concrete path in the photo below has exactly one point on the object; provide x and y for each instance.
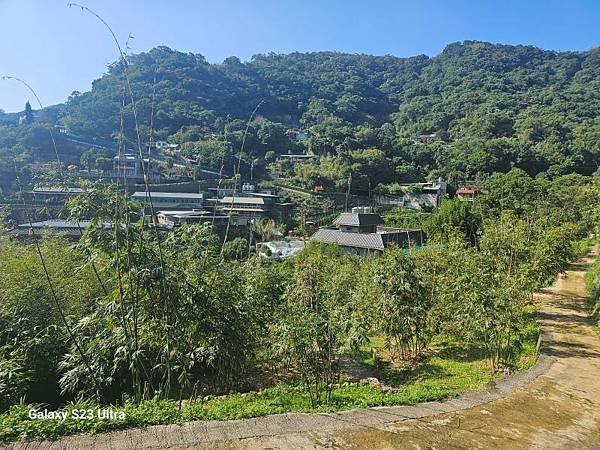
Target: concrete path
(554, 405)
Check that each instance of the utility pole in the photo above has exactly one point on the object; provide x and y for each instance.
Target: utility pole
(251, 226)
(348, 190)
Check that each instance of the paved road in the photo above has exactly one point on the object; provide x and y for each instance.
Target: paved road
(554, 405)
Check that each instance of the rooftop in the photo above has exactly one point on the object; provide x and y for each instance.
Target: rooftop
(140, 194)
(470, 190)
(191, 214)
(243, 200)
(349, 239)
(282, 249)
(127, 156)
(55, 226)
(378, 240)
(56, 223)
(297, 156)
(57, 190)
(186, 213)
(358, 219)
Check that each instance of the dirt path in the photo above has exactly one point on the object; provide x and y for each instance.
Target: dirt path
(554, 405)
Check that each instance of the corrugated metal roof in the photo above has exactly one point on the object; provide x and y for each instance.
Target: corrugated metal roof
(54, 226)
(347, 239)
(358, 219)
(169, 195)
(243, 200)
(57, 190)
(56, 223)
(241, 210)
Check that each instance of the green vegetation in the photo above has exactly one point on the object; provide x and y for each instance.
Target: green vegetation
(457, 369)
(163, 321)
(494, 107)
(592, 279)
(162, 325)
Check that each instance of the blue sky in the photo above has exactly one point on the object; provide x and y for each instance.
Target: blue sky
(59, 49)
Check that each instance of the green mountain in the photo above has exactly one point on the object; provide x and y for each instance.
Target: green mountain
(496, 106)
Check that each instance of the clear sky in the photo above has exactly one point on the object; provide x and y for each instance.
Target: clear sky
(59, 49)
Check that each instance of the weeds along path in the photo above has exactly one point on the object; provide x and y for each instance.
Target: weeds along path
(556, 404)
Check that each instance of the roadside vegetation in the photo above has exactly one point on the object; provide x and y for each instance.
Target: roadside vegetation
(592, 279)
(168, 328)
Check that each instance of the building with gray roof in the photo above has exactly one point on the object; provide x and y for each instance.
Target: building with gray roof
(71, 229)
(359, 233)
(172, 200)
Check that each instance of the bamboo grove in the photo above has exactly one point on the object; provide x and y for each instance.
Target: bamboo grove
(207, 323)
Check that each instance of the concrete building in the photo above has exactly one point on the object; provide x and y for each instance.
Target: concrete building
(360, 233)
(247, 190)
(254, 205)
(130, 166)
(300, 157)
(296, 135)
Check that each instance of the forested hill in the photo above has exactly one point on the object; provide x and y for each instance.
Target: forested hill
(497, 106)
(471, 89)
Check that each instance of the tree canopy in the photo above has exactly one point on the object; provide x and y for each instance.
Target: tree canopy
(494, 106)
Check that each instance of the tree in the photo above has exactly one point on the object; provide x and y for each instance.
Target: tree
(267, 229)
(402, 303)
(307, 334)
(104, 164)
(483, 293)
(33, 338)
(236, 249)
(28, 114)
(455, 216)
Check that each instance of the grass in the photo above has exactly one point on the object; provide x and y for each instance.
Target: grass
(592, 275)
(591, 279)
(581, 246)
(447, 373)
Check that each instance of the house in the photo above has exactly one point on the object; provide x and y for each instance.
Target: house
(298, 158)
(296, 135)
(53, 194)
(248, 190)
(437, 190)
(131, 166)
(171, 200)
(165, 147)
(360, 233)
(469, 193)
(128, 164)
(429, 137)
(173, 218)
(253, 207)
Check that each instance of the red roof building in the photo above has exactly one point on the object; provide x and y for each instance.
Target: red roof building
(468, 193)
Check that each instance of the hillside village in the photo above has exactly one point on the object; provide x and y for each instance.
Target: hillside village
(299, 250)
(181, 193)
